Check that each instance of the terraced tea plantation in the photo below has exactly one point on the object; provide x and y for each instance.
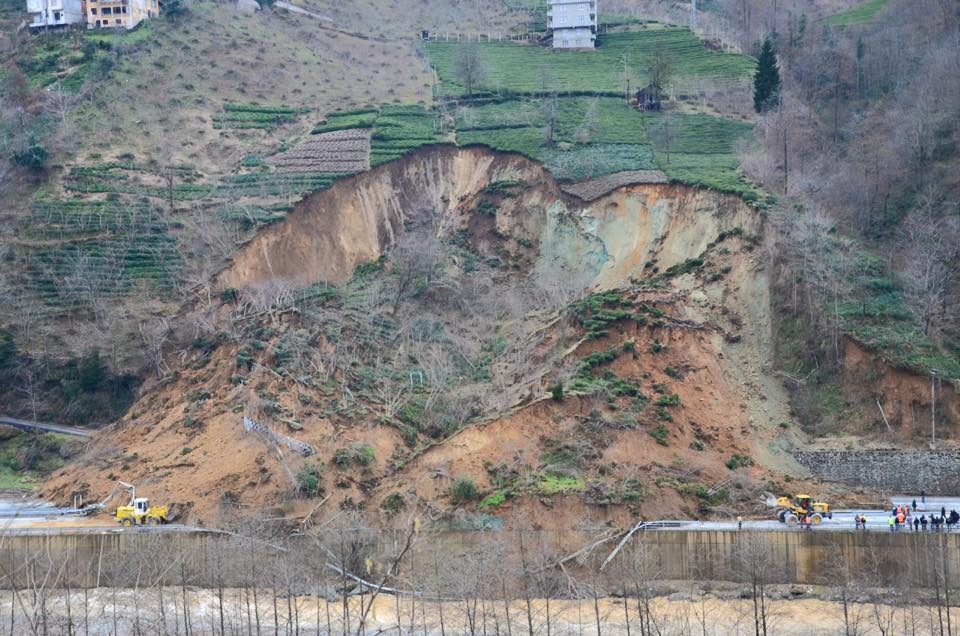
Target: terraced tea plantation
(598, 136)
(239, 116)
(533, 69)
(77, 254)
(395, 130)
(565, 108)
(343, 151)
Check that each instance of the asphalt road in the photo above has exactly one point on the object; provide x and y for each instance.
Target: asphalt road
(41, 426)
(843, 520)
(25, 516)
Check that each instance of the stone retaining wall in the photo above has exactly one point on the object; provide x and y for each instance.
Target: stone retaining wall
(906, 472)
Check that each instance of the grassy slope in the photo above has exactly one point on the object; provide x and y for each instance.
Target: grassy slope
(138, 102)
(159, 103)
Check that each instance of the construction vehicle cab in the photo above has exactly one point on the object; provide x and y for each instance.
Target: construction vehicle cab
(792, 510)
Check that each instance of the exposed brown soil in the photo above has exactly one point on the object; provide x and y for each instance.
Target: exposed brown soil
(183, 442)
(904, 395)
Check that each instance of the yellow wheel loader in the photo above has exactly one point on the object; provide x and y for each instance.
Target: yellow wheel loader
(791, 511)
(138, 512)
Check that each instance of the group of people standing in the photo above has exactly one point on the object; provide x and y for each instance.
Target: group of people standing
(905, 516)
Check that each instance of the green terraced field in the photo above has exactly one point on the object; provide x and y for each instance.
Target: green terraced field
(532, 69)
(397, 130)
(238, 116)
(117, 179)
(692, 148)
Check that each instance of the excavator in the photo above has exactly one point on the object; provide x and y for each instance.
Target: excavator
(137, 512)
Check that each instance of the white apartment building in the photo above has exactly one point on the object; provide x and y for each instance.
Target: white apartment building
(574, 23)
(48, 13)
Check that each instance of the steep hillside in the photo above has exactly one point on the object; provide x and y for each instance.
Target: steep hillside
(454, 351)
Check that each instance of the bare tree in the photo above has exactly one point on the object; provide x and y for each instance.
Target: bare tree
(550, 111)
(469, 68)
(153, 337)
(658, 73)
(416, 265)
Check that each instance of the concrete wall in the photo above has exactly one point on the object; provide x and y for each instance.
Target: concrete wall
(905, 472)
(139, 559)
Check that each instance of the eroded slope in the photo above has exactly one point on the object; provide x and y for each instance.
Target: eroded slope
(453, 318)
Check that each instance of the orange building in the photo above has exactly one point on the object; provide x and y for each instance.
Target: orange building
(117, 14)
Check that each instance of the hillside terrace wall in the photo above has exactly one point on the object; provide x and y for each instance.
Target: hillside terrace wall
(904, 472)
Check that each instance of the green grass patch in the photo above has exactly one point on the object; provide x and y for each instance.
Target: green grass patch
(559, 484)
(492, 501)
(864, 12)
(11, 479)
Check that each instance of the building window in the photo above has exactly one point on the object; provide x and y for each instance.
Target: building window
(93, 11)
(118, 20)
(563, 7)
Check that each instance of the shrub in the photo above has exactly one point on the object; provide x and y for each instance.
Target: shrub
(668, 400)
(660, 434)
(33, 157)
(409, 435)
(354, 453)
(394, 503)
(739, 460)
(463, 489)
(556, 392)
(309, 482)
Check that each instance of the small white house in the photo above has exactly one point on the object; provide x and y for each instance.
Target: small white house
(573, 23)
(47, 13)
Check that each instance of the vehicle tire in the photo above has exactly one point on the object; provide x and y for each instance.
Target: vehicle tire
(816, 519)
(153, 521)
(127, 522)
(792, 519)
(782, 516)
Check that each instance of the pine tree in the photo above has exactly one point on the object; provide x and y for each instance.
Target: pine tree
(766, 82)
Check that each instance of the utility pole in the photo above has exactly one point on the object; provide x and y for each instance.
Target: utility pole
(933, 410)
(693, 14)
